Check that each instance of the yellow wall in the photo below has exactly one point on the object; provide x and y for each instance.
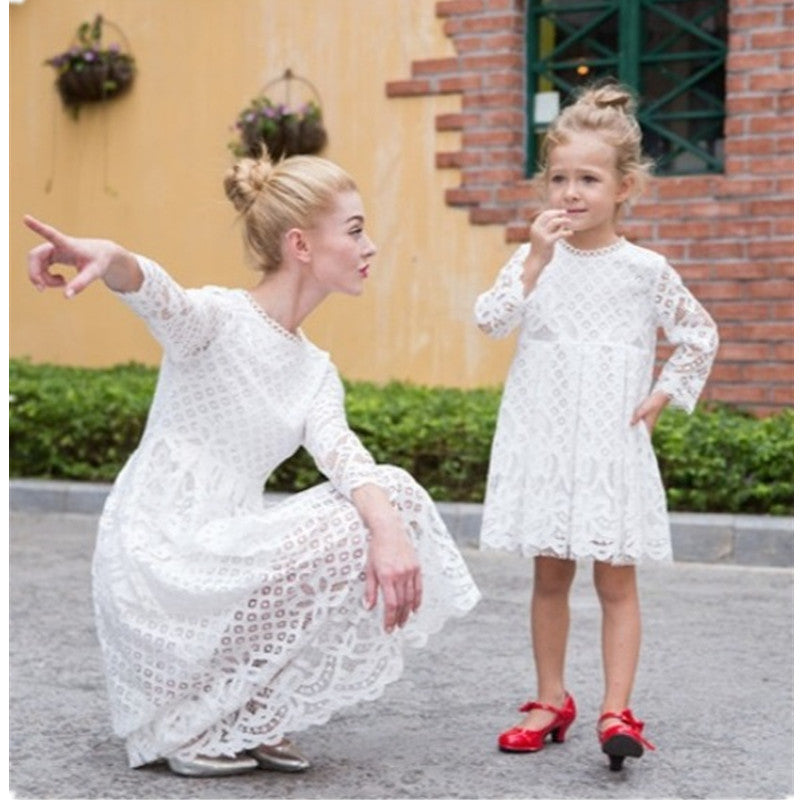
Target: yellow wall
(146, 169)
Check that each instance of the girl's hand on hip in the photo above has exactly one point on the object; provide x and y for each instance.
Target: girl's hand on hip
(92, 258)
(650, 410)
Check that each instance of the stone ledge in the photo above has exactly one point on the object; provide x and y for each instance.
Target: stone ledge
(708, 538)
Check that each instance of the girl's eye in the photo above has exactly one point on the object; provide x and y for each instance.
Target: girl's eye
(356, 231)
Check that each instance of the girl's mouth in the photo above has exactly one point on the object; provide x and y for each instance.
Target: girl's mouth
(364, 270)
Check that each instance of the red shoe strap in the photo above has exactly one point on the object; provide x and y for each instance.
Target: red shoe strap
(543, 706)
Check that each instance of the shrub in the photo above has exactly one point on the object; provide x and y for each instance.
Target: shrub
(81, 424)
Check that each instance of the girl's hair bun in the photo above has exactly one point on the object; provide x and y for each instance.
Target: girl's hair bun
(609, 96)
(245, 179)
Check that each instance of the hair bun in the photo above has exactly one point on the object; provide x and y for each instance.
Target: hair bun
(610, 96)
(245, 179)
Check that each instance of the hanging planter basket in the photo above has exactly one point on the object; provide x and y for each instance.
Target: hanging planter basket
(277, 126)
(89, 72)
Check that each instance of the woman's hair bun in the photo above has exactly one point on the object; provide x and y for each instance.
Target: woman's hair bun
(245, 179)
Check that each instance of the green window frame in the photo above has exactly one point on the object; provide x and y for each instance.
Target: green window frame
(672, 53)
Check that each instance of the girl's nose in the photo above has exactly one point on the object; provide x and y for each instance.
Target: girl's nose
(370, 248)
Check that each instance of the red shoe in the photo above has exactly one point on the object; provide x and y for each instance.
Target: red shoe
(525, 740)
(624, 740)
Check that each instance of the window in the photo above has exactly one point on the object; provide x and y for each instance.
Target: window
(672, 54)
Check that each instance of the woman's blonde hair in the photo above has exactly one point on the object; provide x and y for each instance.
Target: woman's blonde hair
(609, 111)
(274, 198)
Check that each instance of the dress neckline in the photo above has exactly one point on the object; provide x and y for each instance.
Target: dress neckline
(600, 251)
(273, 323)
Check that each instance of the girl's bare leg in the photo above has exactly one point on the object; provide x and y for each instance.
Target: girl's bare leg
(621, 632)
(552, 581)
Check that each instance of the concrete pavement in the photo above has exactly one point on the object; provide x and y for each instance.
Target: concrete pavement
(715, 687)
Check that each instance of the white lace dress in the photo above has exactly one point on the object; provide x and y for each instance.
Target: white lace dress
(569, 476)
(225, 622)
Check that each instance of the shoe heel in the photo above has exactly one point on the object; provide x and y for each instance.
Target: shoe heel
(559, 734)
(615, 763)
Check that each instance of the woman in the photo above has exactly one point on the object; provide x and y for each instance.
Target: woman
(226, 623)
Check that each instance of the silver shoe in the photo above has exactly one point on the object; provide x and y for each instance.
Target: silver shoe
(283, 757)
(211, 766)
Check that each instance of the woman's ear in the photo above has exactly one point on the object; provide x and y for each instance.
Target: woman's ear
(297, 244)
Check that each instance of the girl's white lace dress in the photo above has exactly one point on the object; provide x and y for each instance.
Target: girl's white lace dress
(225, 622)
(569, 476)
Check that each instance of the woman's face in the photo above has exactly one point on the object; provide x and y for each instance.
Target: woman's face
(339, 246)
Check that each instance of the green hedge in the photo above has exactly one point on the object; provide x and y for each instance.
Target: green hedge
(81, 424)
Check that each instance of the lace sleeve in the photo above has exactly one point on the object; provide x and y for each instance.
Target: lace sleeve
(690, 328)
(337, 451)
(499, 310)
(183, 321)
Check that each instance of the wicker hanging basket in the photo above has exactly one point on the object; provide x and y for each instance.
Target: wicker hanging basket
(91, 72)
(283, 130)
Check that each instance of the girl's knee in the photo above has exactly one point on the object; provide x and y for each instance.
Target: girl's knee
(552, 576)
(615, 584)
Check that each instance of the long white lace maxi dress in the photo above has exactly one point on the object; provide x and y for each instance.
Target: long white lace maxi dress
(569, 476)
(225, 622)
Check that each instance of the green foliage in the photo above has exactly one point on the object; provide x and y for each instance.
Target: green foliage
(82, 424)
(724, 459)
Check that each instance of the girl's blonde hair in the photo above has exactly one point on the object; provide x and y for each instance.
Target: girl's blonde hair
(610, 112)
(274, 198)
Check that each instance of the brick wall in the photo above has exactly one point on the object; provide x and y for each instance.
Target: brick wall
(730, 236)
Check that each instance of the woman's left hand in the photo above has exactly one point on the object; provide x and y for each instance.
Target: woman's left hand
(650, 410)
(393, 568)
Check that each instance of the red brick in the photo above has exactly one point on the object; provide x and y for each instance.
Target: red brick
(745, 62)
(754, 19)
(751, 146)
(757, 331)
(770, 248)
(460, 196)
(456, 122)
(775, 166)
(490, 216)
(408, 88)
(782, 310)
(491, 138)
(461, 83)
(770, 124)
(745, 351)
(772, 40)
(738, 394)
(431, 66)
(717, 251)
(772, 208)
(748, 104)
(740, 310)
(445, 8)
(783, 395)
(681, 188)
(780, 289)
(719, 290)
(769, 373)
(743, 270)
(775, 82)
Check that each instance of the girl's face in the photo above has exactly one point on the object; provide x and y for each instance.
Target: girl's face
(582, 179)
(339, 247)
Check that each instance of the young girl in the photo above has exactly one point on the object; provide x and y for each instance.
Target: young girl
(573, 474)
(224, 623)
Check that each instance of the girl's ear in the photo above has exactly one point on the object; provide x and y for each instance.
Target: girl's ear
(625, 188)
(297, 245)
